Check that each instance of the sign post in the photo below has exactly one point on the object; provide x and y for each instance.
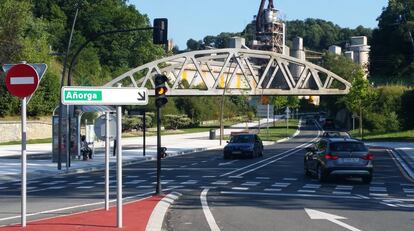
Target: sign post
(108, 96)
(287, 120)
(22, 81)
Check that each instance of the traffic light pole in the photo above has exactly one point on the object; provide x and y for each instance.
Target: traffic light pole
(158, 190)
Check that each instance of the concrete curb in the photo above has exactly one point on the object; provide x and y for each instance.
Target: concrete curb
(158, 214)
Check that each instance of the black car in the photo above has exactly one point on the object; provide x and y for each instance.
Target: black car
(243, 145)
(339, 157)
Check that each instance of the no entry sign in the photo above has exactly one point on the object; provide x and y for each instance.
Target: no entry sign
(22, 80)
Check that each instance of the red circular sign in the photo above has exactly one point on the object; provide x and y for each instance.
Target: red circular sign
(22, 80)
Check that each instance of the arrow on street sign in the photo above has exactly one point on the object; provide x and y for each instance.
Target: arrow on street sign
(141, 96)
(318, 215)
(104, 96)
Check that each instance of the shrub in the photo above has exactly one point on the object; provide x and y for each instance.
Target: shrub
(176, 121)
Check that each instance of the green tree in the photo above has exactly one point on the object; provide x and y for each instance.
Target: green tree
(360, 97)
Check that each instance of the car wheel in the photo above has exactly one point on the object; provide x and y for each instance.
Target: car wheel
(226, 157)
(252, 155)
(367, 179)
(261, 154)
(321, 174)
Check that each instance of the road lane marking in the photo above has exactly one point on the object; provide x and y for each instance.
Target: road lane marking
(209, 176)
(344, 187)
(240, 188)
(341, 193)
(290, 195)
(290, 179)
(251, 183)
(402, 166)
(378, 194)
(318, 215)
(272, 190)
(312, 186)
(377, 189)
(262, 178)
(228, 163)
(281, 185)
(306, 191)
(85, 187)
(207, 213)
(158, 214)
(186, 176)
(221, 182)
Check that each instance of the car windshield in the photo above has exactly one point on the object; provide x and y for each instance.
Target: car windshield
(242, 139)
(347, 147)
(332, 134)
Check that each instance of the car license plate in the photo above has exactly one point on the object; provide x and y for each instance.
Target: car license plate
(237, 152)
(350, 160)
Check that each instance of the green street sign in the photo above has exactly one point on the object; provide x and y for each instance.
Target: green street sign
(78, 95)
(104, 96)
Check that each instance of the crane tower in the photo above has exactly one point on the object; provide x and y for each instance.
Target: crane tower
(270, 31)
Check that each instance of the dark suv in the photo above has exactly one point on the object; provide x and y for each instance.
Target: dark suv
(339, 157)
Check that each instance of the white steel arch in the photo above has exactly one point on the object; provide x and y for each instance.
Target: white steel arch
(238, 72)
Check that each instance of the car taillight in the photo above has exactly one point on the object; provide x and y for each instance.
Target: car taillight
(331, 157)
(368, 156)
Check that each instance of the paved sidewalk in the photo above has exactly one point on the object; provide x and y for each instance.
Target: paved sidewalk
(132, 152)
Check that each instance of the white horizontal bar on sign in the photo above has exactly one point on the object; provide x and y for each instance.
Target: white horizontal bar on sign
(21, 80)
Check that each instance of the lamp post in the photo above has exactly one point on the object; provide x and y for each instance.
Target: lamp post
(62, 82)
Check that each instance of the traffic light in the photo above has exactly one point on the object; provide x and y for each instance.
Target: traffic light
(160, 90)
(160, 33)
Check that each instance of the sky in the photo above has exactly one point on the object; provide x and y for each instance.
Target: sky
(198, 18)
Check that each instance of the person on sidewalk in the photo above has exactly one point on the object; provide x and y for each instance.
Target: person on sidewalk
(85, 149)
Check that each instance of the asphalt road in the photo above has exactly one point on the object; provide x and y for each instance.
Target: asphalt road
(268, 193)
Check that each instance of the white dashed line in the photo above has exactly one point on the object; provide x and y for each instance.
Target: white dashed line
(3, 187)
(312, 186)
(262, 178)
(280, 185)
(272, 189)
(306, 191)
(56, 187)
(290, 179)
(408, 190)
(85, 187)
(344, 187)
(144, 186)
(250, 183)
(209, 176)
(190, 182)
(240, 188)
(183, 176)
(236, 177)
(221, 182)
(377, 189)
(378, 194)
(341, 193)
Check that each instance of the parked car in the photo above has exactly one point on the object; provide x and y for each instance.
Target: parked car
(339, 157)
(243, 145)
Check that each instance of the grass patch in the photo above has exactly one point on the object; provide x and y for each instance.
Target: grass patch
(276, 132)
(279, 131)
(385, 136)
